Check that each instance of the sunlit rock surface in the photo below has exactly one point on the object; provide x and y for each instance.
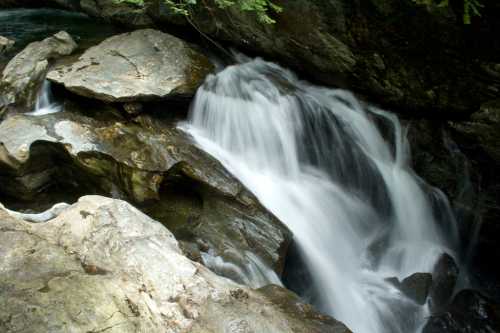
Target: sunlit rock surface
(24, 74)
(102, 265)
(142, 65)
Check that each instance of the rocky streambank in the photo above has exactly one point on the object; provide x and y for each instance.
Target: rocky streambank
(95, 145)
(102, 264)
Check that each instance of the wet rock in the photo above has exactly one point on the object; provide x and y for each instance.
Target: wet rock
(484, 126)
(143, 65)
(24, 74)
(415, 286)
(148, 162)
(101, 264)
(444, 279)
(458, 157)
(469, 312)
(5, 44)
(308, 319)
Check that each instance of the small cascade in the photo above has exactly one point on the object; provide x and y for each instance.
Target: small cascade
(44, 103)
(319, 160)
(254, 273)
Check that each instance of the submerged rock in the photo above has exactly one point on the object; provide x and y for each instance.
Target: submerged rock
(469, 312)
(5, 44)
(24, 74)
(143, 65)
(149, 162)
(103, 265)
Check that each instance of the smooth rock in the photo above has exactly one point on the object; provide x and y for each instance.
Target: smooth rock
(143, 65)
(102, 265)
(24, 74)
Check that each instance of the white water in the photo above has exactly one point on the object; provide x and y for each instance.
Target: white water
(44, 104)
(254, 274)
(315, 158)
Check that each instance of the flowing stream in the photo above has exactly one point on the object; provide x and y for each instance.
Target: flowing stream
(337, 173)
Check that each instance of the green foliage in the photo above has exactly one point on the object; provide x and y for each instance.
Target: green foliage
(471, 7)
(261, 8)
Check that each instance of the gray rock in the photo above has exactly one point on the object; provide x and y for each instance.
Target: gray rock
(5, 44)
(24, 74)
(65, 155)
(102, 265)
(143, 65)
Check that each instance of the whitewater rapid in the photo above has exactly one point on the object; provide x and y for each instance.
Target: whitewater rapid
(337, 173)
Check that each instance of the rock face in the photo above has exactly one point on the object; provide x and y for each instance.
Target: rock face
(460, 158)
(62, 156)
(378, 48)
(469, 312)
(5, 44)
(103, 265)
(143, 65)
(120, 12)
(24, 74)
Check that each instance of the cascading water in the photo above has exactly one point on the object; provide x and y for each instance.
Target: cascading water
(316, 159)
(44, 104)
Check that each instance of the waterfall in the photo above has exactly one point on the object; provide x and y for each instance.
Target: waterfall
(337, 173)
(44, 103)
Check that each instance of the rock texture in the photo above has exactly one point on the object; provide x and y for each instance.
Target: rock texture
(5, 44)
(469, 312)
(23, 76)
(102, 265)
(460, 158)
(143, 65)
(62, 156)
(378, 48)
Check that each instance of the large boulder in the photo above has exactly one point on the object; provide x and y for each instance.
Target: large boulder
(102, 265)
(62, 156)
(24, 74)
(143, 65)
